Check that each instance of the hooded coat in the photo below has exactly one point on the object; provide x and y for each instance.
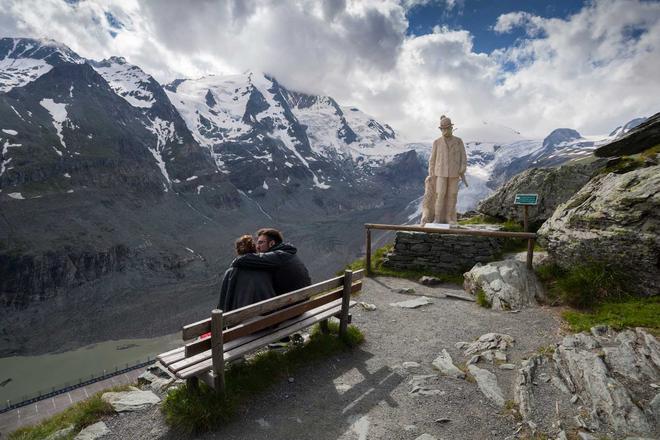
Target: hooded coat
(288, 271)
(242, 287)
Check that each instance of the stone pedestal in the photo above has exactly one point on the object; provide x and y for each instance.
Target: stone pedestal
(442, 253)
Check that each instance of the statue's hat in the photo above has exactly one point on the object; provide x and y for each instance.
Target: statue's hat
(445, 122)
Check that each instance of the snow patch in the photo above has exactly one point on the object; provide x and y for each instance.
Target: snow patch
(59, 115)
(199, 189)
(17, 72)
(67, 175)
(191, 178)
(164, 131)
(265, 185)
(9, 131)
(17, 196)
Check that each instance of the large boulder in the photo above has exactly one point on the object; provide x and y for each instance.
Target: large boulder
(615, 220)
(553, 185)
(507, 284)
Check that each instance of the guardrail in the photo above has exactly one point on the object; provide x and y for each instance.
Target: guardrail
(66, 387)
(530, 236)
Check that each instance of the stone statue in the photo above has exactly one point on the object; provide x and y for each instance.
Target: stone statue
(446, 166)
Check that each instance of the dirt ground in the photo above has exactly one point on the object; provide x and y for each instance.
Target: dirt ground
(366, 393)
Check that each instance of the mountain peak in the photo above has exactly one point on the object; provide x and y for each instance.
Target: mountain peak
(41, 49)
(560, 135)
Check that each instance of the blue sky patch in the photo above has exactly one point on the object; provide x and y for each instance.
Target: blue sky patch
(479, 17)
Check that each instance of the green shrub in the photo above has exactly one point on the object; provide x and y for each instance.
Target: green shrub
(196, 411)
(482, 300)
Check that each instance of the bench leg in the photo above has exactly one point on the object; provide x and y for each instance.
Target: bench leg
(345, 301)
(192, 384)
(323, 325)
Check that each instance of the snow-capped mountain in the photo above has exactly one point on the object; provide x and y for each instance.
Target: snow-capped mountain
(294, 136)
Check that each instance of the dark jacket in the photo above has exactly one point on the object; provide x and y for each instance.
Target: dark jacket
(289, 272)
(242, 287)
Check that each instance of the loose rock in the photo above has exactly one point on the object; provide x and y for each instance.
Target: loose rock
(413, 303)
(131, 400)
(446, 366)
(487, 383)
(93, 432)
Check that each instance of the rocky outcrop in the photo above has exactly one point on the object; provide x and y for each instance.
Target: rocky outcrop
(613, 220)
(507, 284)
(645, 135)
(441, 252)
(553, 185)
(601, 382)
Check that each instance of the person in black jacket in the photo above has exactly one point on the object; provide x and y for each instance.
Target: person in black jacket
(278, 258)
(243, 286)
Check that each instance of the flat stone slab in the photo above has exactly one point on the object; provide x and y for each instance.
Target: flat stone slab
(131, 400)
(445, 364)
(413, 303)
(487, 383)
(93, 432)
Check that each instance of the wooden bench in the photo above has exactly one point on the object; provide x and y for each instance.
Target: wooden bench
(255, 326)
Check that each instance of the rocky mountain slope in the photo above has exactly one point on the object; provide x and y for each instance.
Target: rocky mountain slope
(120, 198)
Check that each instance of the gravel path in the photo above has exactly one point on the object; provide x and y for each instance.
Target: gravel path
(366, 393)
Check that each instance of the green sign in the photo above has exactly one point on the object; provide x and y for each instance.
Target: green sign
(526, 199)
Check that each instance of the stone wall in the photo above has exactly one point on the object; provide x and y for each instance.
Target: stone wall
(442, 253)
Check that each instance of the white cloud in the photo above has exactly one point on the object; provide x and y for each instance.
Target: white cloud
(591, 71)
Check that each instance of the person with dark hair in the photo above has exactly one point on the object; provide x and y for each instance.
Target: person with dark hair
(277, 258)
(244, 286)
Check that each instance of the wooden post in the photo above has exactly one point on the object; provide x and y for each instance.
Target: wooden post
(530, 253)
(525, 219)
(345, 302)
(217, 351)
(368, 250)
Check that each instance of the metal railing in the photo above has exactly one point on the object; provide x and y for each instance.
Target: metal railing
(72, 385)
(530, 236)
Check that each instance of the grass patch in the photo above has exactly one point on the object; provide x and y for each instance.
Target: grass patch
(631, 312)
(511, 409)
(480, 219)
(204, 409)
(80, 415)
(546, 350)
(410, 274)
(482, 300)
(583, 286)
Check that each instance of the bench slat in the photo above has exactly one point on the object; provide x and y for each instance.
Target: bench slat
(172, 356)
(235, 353)
(239, 315)
(190, 361)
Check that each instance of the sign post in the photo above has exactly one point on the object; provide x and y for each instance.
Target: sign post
(527, 200)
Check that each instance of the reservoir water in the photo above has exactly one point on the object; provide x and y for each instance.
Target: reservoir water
(25, 376)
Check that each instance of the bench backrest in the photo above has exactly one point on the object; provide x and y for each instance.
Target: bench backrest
(249, 319)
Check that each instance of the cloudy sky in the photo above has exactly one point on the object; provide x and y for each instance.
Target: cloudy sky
(529, 65)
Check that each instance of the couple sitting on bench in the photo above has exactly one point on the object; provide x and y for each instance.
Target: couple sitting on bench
(262, 271)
